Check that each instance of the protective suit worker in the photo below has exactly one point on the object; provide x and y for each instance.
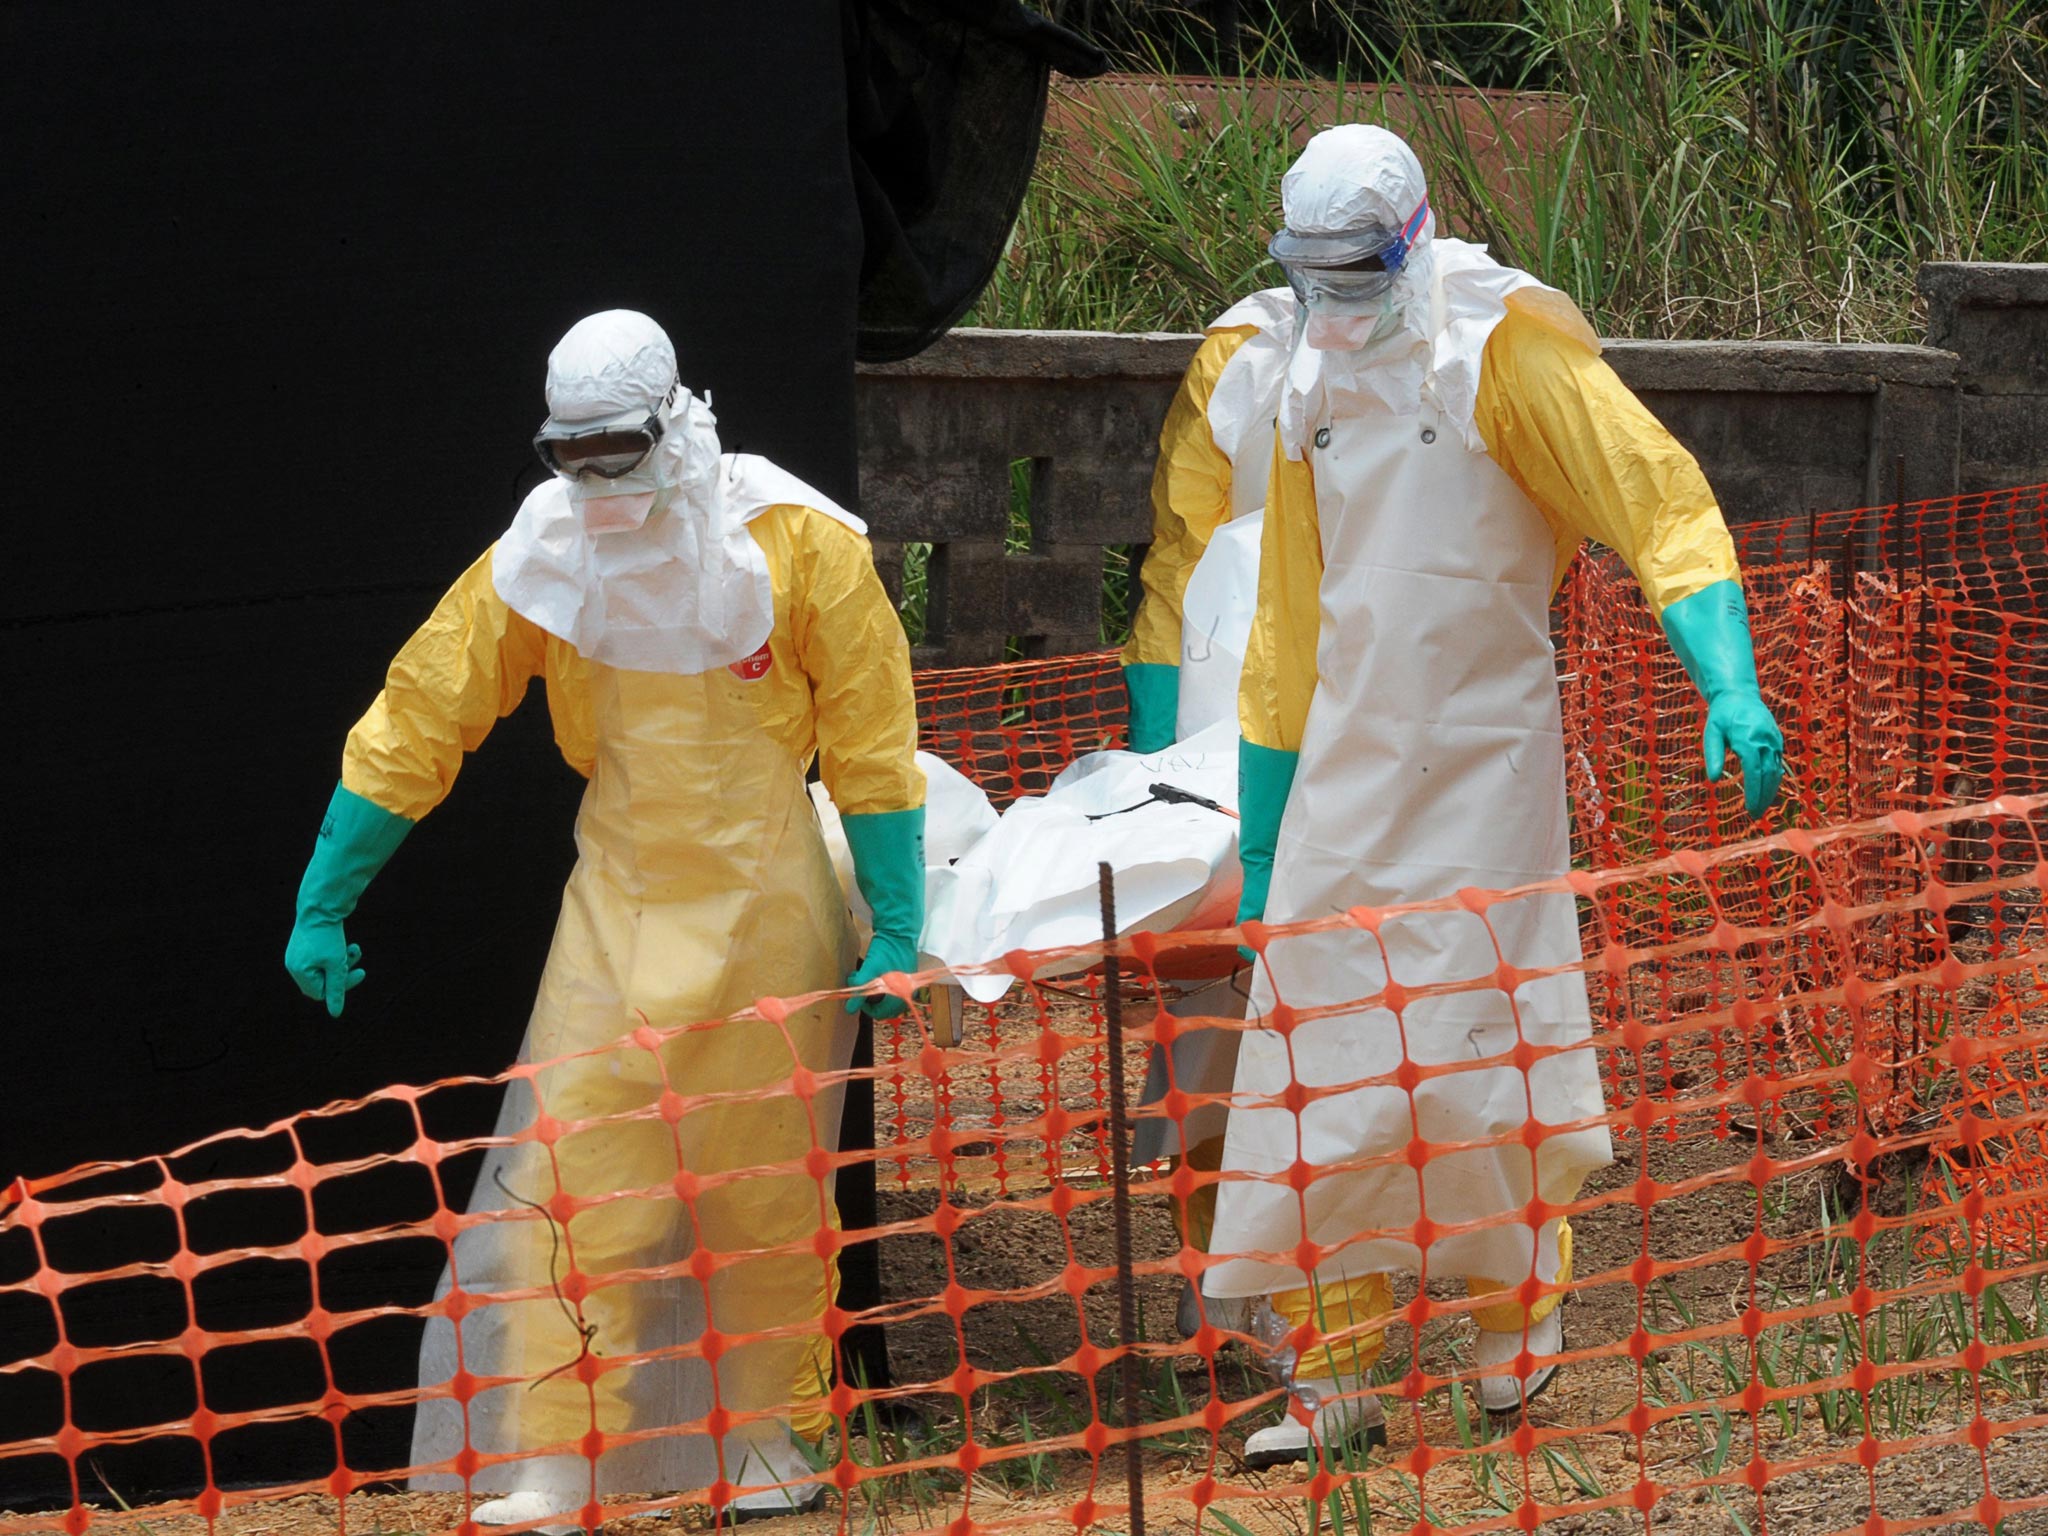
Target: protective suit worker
(1199, 584)
(1210, 479)
(706, 624)
(1448, 435)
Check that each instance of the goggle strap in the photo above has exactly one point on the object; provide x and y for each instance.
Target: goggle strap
(1414, 225)
(1397, 257)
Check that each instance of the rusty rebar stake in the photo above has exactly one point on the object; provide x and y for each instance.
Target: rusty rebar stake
(1923, 784)
(1120, 1202)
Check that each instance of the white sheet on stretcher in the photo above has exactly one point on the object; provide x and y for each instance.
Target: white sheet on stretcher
(1027, 879)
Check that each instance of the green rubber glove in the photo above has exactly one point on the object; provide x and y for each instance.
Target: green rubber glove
(1154, 690)
(1710, 632)
(1265, 775)
(888, 865)
(357, 837)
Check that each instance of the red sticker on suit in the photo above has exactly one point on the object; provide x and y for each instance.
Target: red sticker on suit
(755, 667)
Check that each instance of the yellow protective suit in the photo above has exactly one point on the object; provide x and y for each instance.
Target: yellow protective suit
(1596, 464)
(702, 884)
(1190, 501)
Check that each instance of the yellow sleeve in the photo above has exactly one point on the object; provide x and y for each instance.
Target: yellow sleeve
(1190, 501)
(1597, 463)
(1279, 677)
(464, 669)
(852, 648)
(571, 705)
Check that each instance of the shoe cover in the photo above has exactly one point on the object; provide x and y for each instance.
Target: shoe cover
(1494, 1355)
(1347, 1418)
(521, 1507)
(1232, 1314)
(765, 1453)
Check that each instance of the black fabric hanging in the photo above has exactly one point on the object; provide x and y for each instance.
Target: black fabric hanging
(289, 279)
(945, 104)
(285, 283)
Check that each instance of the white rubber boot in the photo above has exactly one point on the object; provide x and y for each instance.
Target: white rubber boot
(1494, 1355)
(518, 1508)
(1344, 1424)
(765, 1453)
(1230, 1313)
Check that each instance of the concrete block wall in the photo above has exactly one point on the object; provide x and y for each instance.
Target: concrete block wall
(1994, 317)
(1779, 427)
(938, 435)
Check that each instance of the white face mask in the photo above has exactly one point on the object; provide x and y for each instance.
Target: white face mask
(683, 464)
(1331, 328)
(616, 506)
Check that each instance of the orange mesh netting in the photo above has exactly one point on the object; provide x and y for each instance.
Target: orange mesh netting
(1805, 1293)
(1010, 728)
(1772, 1310)
(1904, 652)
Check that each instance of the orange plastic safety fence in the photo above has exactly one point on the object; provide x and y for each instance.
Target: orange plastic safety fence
(1774, 1309)
(1787, 1091)
(1901, 649)
(1011, 728)
(1904, 651)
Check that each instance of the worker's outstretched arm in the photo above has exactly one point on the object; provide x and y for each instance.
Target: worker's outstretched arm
(1600, 466)
(464, 669)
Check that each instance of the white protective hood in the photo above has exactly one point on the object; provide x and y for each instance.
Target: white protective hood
(1241, 405)
(1448, 296)
(689, 589)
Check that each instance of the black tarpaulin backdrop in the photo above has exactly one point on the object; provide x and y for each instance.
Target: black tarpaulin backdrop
(284, 281)
(945, 102)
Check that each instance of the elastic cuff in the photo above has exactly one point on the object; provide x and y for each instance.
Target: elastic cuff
(888, 865)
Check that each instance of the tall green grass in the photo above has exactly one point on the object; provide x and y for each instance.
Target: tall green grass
(1151, 221)
(1719, 168)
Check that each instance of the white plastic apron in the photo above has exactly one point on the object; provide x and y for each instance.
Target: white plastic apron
(1432, 760)
(1223, 589)
(1216, 622)
(702, 883)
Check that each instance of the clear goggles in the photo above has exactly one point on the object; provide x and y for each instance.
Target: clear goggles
(598, 450)
(1353, 267)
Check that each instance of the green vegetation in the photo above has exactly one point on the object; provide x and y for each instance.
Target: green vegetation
(1753, 168)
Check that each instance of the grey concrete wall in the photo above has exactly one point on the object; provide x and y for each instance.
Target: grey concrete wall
(1779, 427)
(937, 436)
(1994, 317)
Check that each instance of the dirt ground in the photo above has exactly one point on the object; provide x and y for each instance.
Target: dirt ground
(1944, 1480)
(1011, 1255)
